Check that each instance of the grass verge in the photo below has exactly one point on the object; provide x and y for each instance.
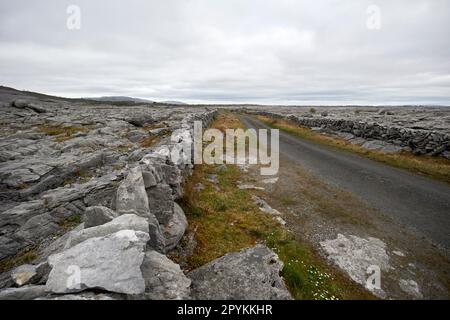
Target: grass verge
(433, 167)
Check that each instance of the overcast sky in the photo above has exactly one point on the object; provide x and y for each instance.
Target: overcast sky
(279, 51)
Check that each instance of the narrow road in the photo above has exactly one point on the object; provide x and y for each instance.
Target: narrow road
(416, 201)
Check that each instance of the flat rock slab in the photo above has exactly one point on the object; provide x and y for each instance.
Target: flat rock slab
(357, 256)
(123, 222)
(23, 293)
(110, 263)
(250, 274)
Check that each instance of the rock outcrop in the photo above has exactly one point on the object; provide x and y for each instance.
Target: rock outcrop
(164, 279)
(110, 263)
(83, 187)
(251, 274)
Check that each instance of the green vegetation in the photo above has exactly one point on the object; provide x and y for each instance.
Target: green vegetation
(25, 256)
(80, 176)
(70, 222)
(123, 148)
(63, 133)
(433, 167)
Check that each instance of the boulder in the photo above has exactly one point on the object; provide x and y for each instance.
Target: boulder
(20, 103)
(123, 222)
(157, 240)
(160, 201)
(174, 230)
(98, 215)
(149, 179)
(23, 274)
(164, 279)
(250, 274)
(141, 121)
(171, 175)
(131, 195)
(30, 274)
(36, 108)
(110, 263)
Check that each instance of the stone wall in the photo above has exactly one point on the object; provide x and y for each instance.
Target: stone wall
(418, 142)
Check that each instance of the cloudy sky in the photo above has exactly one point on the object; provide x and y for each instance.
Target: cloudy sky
(278, 51)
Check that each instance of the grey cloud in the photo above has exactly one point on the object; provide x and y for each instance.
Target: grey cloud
(296, 52)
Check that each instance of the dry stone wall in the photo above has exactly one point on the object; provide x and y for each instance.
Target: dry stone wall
(417, 141)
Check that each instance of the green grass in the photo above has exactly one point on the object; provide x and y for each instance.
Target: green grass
(26, 256)
(434, 167)
(70, 222)
(288, 201)
(62, 133)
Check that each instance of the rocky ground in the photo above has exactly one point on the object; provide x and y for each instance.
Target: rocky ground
(88, 205)
(89, 191)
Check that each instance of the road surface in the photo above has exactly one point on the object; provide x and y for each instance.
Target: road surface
(413, 200)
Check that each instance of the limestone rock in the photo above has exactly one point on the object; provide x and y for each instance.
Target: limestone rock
(123, 222)
(149, 179)
(174, 230)
(98, 215)
(252, 273)
(110, 263)
(23, 293)
(23, 274)
(82, 296)
(30, 274)
(411, 287)
(37, 227)
(164, 279)
(161, 202)
(20, 103)
(131, 195)
(355, 255)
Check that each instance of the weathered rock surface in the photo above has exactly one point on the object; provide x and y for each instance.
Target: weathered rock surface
(252, 273)
(174, 229)
(23, 293)
(123, 222)
(63, 162)
(30, 274)
(110, 263)
(131, 195)
(161, 202)
(97, 215)
(163, 278)
(356, 255)
(411, 288)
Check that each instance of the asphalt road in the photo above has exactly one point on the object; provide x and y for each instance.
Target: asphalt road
(416, 201)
